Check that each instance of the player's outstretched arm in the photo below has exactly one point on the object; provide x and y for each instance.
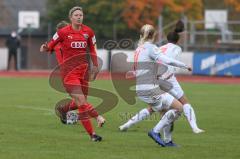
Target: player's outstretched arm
(161, 58)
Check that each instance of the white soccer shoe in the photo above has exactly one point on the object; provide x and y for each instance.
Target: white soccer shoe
(101, 121)
(123, 128)
(198, 131)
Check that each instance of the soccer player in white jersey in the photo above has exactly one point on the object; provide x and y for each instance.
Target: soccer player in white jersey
(171, 50)
(148, 60)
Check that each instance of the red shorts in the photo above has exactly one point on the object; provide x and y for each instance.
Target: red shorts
(77, 80)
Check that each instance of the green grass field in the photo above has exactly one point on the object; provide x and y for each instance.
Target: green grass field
(29, 128)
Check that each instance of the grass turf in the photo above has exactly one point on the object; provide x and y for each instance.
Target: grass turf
(29, 128)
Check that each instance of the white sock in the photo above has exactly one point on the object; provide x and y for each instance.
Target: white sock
(166, 120)
(143, 114)
(190, 115)
(167, 134)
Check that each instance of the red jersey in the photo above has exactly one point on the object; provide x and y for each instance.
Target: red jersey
(75, 43)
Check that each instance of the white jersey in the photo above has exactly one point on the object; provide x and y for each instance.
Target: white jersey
(148, 59)
(172, 51)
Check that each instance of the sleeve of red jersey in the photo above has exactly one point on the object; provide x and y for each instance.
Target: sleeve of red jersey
(92, 42)
(57, 37)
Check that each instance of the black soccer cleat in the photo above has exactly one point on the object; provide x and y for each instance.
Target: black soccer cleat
(62, 115)
(61, 110)
(96, 138)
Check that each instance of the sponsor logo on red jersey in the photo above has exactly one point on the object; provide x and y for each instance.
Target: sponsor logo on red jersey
(78, 44)
(86, 36)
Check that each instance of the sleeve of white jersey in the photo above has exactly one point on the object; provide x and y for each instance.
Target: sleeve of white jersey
(159, 57)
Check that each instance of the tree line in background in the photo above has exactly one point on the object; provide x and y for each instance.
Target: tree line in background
(117, 19)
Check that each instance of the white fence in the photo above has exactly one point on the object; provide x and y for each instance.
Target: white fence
(121, 60)
(3, 58)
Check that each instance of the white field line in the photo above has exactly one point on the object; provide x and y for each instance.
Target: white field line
(47, 111)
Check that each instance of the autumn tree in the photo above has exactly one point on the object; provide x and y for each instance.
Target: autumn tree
(137, 13)
(117, 19)
(103, 16)
(96, 14)
(234, 3)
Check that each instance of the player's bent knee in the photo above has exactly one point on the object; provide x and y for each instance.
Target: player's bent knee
(177, 105)
(183, 100)
(173, 114)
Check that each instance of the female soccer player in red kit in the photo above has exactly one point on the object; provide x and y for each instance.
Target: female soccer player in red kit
(71, 104)
(75, 39)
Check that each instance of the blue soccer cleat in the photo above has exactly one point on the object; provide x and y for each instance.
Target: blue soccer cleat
(156, 137)
(171, 144)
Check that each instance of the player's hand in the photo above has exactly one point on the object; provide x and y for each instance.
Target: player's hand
(44, 47)
(93, 73)
(130, 74)
(189, 68)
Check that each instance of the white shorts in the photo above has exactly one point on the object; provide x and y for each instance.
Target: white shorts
(167, 100)
(161, 102)
(151, 99)
(177, 90)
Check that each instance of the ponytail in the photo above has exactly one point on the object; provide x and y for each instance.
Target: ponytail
(173, 37)
(179, 27)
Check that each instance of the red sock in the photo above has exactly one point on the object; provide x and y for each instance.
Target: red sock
(88, 126)
(91, 111)
(85, 120)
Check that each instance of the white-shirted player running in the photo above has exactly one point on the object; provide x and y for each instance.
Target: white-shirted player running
(148, 61)
(172, 50)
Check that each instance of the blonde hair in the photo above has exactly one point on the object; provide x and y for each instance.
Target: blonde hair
(147, 33)
(61, 24)
(74, 9)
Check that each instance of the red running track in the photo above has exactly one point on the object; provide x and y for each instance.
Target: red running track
(107, 76)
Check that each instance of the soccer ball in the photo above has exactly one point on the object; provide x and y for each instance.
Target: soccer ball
(72, 117)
